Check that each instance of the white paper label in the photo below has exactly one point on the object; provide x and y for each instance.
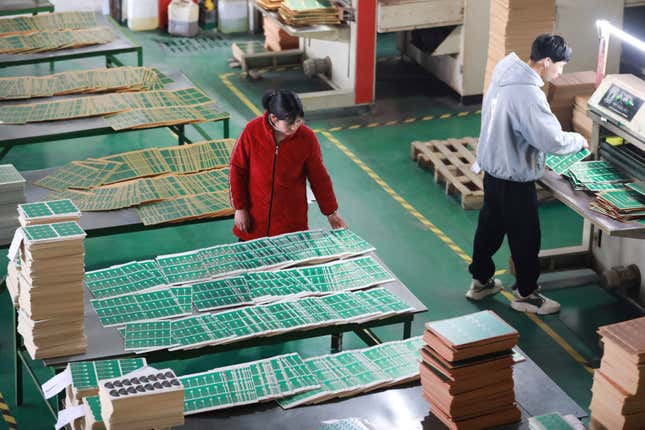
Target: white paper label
(58, 383)
(68, 415)
(18, 237)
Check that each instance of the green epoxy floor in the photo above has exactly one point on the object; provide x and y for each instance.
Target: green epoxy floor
(433, 272)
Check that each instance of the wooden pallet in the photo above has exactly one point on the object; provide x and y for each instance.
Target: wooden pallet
(451, 160)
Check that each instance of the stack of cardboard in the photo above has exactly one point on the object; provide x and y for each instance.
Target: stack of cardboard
(308, 12)
(618, 392)
(580, 122)
(12, 192)
(514, 24)
(149, 400)
(276, 39)
(269, 4)
(562, 92)
(51, 314)
(466, 371)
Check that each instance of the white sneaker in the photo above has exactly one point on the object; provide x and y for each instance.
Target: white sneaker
(535, 303)
(516, 291)
(478, 291)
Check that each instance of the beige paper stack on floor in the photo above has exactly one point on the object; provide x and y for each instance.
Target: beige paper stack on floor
(563, 90)
(466, 371)
(150, 400)
(514, 24)
(51, 314)
(580, 121)
(618, 392)
(276, 39)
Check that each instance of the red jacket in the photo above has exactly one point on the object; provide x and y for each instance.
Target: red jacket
(277, 200)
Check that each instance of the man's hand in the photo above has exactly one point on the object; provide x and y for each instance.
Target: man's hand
(335, 221)
(242, 220)
(585, 144)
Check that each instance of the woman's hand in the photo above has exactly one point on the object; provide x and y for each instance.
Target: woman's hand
(242, 220)
(335, 221)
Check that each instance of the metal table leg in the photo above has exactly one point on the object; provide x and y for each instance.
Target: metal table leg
(226, 128)
(368, 336)
(407, 329)
(17, 365)
(337, 342)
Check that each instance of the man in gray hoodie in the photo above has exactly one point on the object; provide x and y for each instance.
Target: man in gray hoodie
(517, 131)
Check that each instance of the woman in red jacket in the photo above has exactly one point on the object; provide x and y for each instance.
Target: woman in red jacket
(270, 164)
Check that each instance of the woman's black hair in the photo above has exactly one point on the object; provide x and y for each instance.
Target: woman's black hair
(284, 104)
(550, 46)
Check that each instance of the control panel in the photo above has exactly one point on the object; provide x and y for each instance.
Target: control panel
(621, 100)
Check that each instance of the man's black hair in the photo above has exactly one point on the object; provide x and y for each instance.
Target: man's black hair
(284, 104)
(550, 46)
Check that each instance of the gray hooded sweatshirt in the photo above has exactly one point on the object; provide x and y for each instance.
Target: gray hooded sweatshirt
(518, 128)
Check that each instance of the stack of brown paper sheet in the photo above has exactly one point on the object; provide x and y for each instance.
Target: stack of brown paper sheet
(514, 24)
(269, 4)
(308, 12)
(466, 371)
(563, 90)
(618, 392)
(276, 39)
(51, 313)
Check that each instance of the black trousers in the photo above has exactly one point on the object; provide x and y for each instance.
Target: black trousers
(509, 208)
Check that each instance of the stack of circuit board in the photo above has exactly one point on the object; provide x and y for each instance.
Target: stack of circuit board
(466, 371)
(166, 184)
(48, 212)
(142, 296)
(51, 314)
(230, 326)
(626, 205)
(616, 196)
(12, 193)
(286, 378)
(360, 371)
(38, 213)
(80, 381)
(85, 376)
(308, 12)
(247, 383)
(116, 79)
(145, 399)
(46, 32)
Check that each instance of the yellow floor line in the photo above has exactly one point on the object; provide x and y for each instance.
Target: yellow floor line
(6, 414)
(225, 79)
(415, 213)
